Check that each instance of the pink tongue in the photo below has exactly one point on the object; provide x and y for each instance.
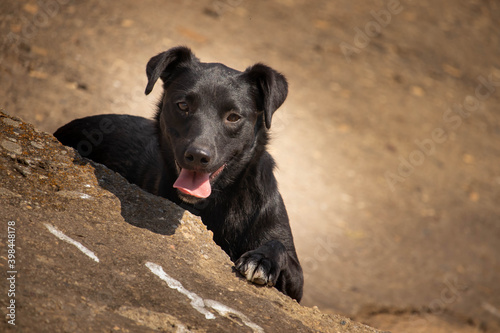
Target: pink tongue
(194, 183)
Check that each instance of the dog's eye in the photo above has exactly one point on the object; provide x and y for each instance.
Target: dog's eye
(233, 117)
(183, 106)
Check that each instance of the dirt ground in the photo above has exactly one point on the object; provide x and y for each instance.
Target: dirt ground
(388, 145)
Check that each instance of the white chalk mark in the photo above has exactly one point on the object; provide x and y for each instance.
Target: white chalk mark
(65, 238)
(223, 310)
(196, 301)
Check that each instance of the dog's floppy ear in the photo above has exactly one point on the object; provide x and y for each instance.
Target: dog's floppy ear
(163, 64)
(272, 89)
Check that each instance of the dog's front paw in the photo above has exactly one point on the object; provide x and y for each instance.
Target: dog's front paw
(257, 268)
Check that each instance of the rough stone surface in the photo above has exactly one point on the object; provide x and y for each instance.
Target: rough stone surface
(56, 198)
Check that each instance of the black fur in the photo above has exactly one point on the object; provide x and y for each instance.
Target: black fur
(210, 118)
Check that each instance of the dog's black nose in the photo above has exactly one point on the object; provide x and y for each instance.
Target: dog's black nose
(197, 157)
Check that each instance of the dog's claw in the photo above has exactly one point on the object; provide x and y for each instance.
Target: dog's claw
(257, 269)
(260, 277)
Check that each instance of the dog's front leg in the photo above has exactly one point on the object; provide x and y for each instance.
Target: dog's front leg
(272, 265)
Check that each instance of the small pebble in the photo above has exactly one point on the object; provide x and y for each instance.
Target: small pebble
(12, 147)
(11, 122)
(474, 196)
(453, 71)
(127, 23)
(417, 91)
(468, 159)
(37, 144)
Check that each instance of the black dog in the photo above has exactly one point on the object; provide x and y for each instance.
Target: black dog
(206, 149)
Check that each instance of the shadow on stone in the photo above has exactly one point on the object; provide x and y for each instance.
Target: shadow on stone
(138, 207)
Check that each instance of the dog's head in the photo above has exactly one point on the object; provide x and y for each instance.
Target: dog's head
(212, 117)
